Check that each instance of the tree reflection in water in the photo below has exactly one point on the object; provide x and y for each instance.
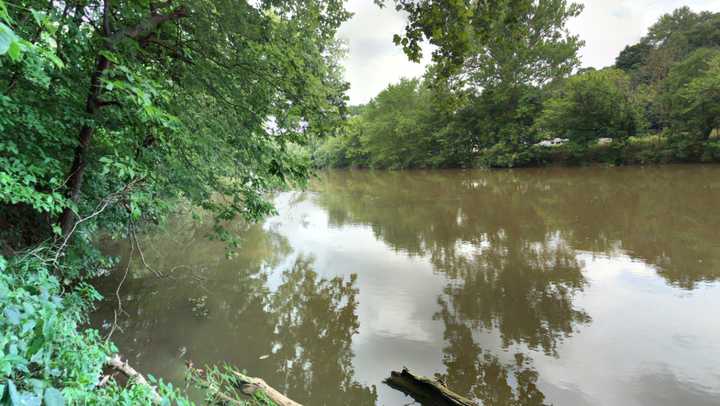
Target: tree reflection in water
(525, 290)
(646, 213)
(509, 268)
(508, 264)
(478, 373)
(506, 245)
(297, 337)
(315, 321)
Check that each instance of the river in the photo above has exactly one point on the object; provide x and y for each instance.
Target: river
(564, 286)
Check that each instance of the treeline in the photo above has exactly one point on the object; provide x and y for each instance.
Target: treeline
(519, 99)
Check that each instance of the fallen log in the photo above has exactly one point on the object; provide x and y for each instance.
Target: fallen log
(425, 390)
(250, 385)
(247, 384)
(228, 390)
(115, 362)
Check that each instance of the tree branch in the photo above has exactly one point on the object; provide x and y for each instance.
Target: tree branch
(148, 26)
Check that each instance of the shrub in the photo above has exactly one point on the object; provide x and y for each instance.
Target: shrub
(692, 94)
(45, 355)
(592, 105)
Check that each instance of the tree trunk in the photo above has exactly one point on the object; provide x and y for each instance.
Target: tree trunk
(77, 170)
(93, 104)
(426, 391)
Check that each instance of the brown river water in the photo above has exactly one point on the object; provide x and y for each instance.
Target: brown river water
(564, 286)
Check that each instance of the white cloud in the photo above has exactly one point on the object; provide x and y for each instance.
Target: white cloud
(607, 26)
(374, 61)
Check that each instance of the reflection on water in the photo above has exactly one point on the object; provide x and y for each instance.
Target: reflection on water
(556, 286)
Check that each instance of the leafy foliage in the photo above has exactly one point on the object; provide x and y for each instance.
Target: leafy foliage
(97, 103)
(505, 82)
(45, 355)
(112, 111)
(692, 93)
(592, 105)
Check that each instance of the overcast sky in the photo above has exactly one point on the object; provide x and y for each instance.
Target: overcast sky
(605, 25)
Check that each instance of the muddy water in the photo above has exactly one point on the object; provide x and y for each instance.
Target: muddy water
(572, 286)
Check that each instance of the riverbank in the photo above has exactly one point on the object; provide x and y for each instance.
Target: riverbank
(651, 149)
(656, 149)
(55, 358)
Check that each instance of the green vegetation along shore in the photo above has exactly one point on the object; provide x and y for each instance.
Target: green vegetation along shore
(112, 110)
(520, 99)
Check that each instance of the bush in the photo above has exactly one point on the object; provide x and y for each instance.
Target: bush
(692, 94)
(44, 354)
(711, 152)
(592, 105)
(504, 155)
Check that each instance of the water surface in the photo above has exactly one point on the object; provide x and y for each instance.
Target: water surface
(564, 286)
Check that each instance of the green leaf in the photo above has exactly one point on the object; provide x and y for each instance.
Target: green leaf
(53, 397)
(39, 16)
(12, 315)
(5, 17)
(35, 345)
(15, 51)
(7, 38)
(3, 263)
(13, 393)
(110, 56)
(27, 326)
(55, 60)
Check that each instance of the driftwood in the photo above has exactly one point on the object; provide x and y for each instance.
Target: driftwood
(116, 363)
(426, 391)
(250, 385)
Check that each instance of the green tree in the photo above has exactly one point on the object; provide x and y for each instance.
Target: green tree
(461, 30)
(405, 126)
(671, 39)
(633, 57)
(345, 149)
(527, 46)
(111, 110)
(118, 102)
(592, 105)
(691, 94)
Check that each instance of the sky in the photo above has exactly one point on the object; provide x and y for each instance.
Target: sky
(606, 26)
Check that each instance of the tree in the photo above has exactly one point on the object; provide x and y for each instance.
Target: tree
(633, 57)
(482, 31)
(114, 105)
(521, 47)
(671, 39)
(692, 93)
(528, 44)
(592, 105)
(390, 134)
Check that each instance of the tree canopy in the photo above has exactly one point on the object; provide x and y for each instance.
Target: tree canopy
(506, 89)
(113, 113)
(108, 96)
(592, 105)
